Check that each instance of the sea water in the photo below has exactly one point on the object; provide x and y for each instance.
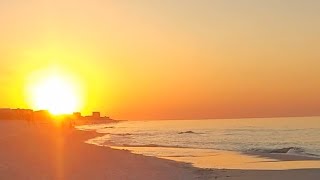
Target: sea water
(185, 138)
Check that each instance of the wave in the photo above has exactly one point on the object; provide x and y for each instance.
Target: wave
(152, 145)
(122, 134)
(188, 132)
(287, 150)
(109, 127)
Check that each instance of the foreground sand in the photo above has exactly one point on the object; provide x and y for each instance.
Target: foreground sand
(42, 151)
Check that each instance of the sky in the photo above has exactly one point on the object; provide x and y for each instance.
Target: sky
(168, 59)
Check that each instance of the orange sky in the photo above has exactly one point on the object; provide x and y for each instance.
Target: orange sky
(168, 59)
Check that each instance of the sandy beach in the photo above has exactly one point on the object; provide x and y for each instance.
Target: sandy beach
(49, 152)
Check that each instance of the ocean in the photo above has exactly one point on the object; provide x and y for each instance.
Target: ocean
(182, 138)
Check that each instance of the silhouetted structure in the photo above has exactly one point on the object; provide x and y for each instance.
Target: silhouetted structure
(44, 115)
(41, 115)
(15, 114)
(77, 115)
(96, 115)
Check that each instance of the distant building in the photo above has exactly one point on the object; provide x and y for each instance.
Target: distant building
(15, 114)
(44, 115)
(96, 115)
(77, 115)
(6, 114)
(41, 115)
(23, 114)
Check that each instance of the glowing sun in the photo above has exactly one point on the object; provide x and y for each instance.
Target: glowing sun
(56, 94)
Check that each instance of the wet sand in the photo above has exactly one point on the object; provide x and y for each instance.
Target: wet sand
(217, 159)
(49, 152)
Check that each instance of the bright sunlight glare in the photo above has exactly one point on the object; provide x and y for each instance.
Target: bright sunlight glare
(55, 93)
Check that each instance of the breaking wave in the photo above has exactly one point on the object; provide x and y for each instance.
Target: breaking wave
(287, 150)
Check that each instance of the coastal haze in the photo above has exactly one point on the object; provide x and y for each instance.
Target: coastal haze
(212, 59)
(160, 90)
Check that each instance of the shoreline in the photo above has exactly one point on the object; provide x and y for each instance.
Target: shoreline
(274, 159)
(217, 159)
(44, 151)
